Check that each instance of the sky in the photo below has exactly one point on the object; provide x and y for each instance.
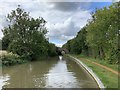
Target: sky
(64, 19)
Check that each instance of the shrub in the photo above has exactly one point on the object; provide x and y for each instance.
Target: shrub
(10, 59)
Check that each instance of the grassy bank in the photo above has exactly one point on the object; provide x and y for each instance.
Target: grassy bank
(109, 79)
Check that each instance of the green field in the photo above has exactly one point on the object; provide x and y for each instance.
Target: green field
(109, 79)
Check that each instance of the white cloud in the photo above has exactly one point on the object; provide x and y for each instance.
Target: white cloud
(64, 28)
(62, 24)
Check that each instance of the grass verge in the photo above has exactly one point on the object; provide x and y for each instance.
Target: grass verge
(109, 79)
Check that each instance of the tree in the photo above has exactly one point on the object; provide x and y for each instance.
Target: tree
(78, 44)
(52, 50)
(102, 33)
(100, 36)
(81, 39)
(25, 35)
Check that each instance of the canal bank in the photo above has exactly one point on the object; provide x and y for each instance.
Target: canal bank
(95, 77)
(108, 78)
(51, 73)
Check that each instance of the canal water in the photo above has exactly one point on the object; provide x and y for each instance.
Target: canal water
(51, 73)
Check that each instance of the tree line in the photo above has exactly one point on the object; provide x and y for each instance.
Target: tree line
(26, 36)
(100, 37)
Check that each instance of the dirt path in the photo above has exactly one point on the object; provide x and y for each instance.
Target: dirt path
(105, 67)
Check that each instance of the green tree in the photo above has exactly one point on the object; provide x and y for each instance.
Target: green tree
(81, 39)
(102, 33)
(52, 50)
(25, 35)
(100, 37)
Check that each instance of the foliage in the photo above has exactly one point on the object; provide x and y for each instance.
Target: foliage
(9, 59)
(25, 35)
(52, 50)
(78, 44)
(99, 38)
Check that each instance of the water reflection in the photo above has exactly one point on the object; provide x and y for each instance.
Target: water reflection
(3, 80)
(59, 76)
(60, 57)
(82, 77)
(53, 73)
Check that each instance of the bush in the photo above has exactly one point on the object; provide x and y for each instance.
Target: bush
(11, 59)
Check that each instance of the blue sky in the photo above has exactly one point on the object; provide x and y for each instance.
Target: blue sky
(99, 5)
(64, 19)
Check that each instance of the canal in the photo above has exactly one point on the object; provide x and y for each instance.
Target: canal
(50, 73)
